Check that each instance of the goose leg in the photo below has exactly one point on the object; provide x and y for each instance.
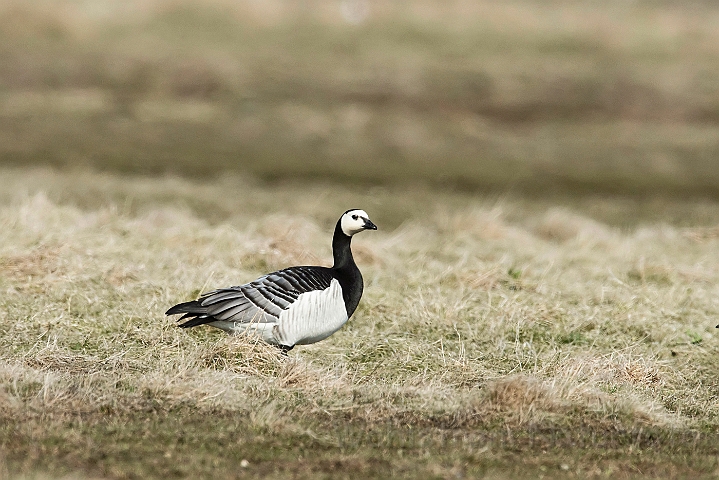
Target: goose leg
(285, 348)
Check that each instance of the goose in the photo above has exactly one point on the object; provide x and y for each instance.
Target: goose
(295, 306)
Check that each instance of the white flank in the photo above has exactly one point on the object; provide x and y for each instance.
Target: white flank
(256, 327)
(314, 316)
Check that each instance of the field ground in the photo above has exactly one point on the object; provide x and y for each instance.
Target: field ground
(540, 298)
(498, 336)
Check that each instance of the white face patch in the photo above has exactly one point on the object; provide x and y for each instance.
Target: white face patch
(354, 222)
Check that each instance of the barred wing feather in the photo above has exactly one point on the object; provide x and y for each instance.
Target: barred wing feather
(261, 301)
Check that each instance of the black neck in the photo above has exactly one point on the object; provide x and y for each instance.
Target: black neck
(346, 270)
(341, 249)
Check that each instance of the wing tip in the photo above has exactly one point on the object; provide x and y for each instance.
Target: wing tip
(185, 307)
(195, 321)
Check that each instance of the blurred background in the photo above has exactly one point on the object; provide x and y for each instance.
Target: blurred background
(529, 96)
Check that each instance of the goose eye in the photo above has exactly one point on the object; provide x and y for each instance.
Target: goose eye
(354, 217)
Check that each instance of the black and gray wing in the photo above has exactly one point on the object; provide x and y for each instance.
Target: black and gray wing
(261, 301)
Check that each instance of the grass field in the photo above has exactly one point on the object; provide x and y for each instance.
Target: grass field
(541, 296)
(497, 337)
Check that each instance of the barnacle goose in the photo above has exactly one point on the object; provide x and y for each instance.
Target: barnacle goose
(294, 306)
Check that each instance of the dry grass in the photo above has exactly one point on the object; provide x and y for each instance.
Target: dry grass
(489, 341)
(499, 336)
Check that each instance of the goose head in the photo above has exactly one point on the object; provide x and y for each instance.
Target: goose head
(354, 221)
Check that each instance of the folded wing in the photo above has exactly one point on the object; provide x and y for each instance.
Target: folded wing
(261, 301)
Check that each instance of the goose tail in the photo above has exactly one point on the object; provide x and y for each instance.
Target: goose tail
(193, 311)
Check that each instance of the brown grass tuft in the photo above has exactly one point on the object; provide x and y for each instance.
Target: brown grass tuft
(521, 397)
